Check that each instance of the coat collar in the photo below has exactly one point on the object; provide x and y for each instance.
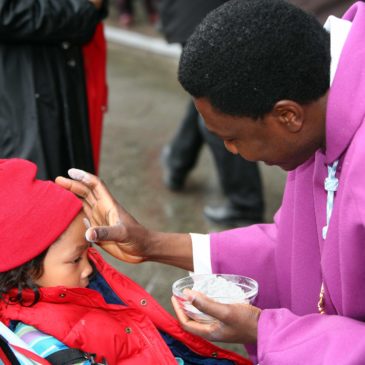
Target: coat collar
(346, 107)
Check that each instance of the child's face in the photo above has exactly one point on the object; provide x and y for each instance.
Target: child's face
(66, 262)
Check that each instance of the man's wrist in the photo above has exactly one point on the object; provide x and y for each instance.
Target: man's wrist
(169, 248)
(256, 312)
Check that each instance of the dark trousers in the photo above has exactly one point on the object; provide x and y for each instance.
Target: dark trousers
(240, 179)
(126, 6)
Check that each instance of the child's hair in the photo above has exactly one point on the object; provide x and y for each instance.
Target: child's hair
(23, 277)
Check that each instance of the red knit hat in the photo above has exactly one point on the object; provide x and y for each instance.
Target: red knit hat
(33, 213)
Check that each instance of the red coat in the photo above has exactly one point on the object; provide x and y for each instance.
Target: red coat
(94, 56)
(80, 318)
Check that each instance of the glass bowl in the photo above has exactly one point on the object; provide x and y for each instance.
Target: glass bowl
(223, 288)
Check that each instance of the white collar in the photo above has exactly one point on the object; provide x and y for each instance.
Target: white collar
(339, 30)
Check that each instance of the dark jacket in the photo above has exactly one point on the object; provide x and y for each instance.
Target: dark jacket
(179, 18)
(322, 9)
(43, 106)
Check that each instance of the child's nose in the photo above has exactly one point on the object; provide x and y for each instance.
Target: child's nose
(88, 269)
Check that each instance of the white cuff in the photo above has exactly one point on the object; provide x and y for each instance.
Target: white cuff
(201, 253)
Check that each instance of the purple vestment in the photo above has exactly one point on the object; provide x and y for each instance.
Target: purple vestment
(290, 259)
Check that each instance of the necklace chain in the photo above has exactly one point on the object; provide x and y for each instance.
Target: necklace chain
(320, 304)
(330, 185)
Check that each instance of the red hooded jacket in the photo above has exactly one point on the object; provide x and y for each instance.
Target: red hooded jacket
(80, 318)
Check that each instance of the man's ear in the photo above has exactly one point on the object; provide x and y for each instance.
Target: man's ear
(289, 114)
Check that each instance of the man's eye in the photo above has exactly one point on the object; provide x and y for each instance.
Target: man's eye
(229, 140)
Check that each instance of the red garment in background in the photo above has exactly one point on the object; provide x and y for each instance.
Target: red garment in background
(94, 54)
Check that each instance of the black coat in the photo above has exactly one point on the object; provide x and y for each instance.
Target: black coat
(43, 106)
(179, 18)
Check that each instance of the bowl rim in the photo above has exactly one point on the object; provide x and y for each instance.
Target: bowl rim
(252, 292)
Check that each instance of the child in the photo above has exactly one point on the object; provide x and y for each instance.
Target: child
(57, 289)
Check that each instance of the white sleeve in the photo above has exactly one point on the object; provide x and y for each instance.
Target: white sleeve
(201, 253)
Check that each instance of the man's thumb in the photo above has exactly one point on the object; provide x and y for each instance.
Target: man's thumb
(105, 233)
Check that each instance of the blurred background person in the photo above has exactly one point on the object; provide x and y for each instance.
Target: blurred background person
(126, 11)
(240, 179)
(44, 114)
(321, 9)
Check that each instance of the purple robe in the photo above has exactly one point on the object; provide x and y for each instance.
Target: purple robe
(290, 259)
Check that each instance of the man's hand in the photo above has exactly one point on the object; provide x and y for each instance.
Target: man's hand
(236, 323)
(116, 231)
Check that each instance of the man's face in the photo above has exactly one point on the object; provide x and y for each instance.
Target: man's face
(66, 262)
(264, 139)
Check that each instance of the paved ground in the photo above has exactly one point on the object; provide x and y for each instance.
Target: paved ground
(145, 106)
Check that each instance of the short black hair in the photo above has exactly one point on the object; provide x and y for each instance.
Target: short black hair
(23, 277)
(248, 54)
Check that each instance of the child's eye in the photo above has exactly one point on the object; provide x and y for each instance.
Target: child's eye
(76, 260)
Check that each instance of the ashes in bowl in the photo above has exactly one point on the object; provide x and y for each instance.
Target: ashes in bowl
(223, 288)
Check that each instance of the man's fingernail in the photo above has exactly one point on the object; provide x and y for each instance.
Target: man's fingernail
(189, 295)
(78, 175)
(91, 235)
(87, 223)
(192, 298)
